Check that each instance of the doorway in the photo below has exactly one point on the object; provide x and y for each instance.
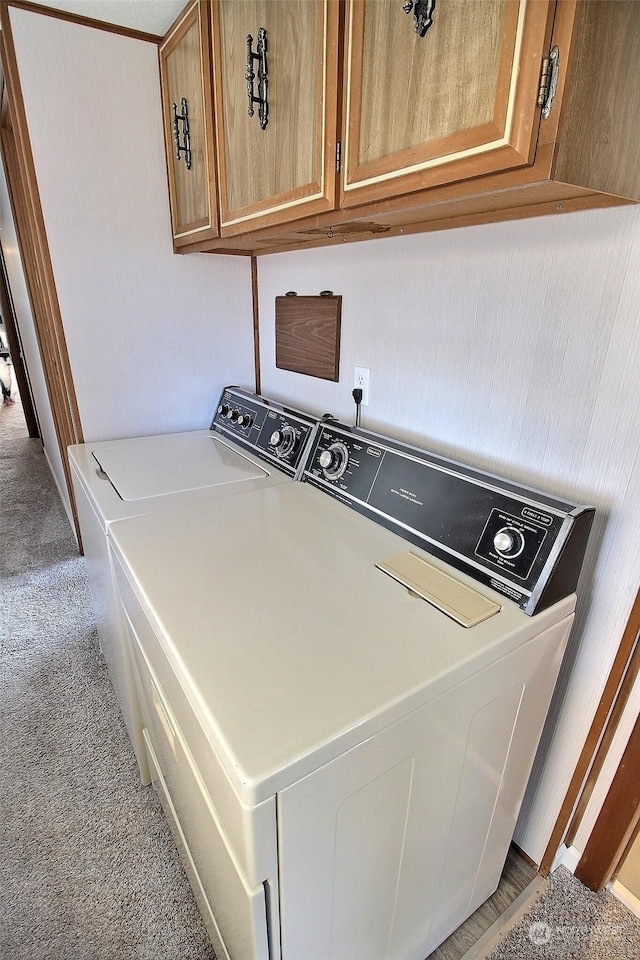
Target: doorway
(15, 372)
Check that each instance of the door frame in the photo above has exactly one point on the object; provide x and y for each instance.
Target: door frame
(619, 818)
(618, 823)
(33, 245)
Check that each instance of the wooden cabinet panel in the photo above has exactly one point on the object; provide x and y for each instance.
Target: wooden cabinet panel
(286, 170)
(459, 102)
(598, 137)
(185, 73)
(437, 132)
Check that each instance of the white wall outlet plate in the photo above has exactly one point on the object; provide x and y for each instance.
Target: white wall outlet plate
(361, 382)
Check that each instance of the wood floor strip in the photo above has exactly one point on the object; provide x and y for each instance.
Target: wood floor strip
(501, 927)
(519, 887)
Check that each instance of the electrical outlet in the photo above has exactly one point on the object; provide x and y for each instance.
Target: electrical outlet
(361, 382)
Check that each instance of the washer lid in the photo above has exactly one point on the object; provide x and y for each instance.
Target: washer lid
(174, 464)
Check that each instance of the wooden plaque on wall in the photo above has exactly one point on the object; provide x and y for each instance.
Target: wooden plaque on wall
(308, 335)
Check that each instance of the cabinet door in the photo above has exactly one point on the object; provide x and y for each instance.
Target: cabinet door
(185, 71)
(286, 170)
(459, 102)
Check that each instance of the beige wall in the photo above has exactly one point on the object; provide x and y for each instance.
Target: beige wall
(516, 347)
(152, 337)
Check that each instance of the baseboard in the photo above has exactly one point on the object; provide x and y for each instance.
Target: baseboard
(63, 494)
(625, 896)
(568, 857)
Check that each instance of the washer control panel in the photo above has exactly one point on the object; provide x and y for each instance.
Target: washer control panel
(345, 461)
(334, 460)
(274, 432)
(510, 537)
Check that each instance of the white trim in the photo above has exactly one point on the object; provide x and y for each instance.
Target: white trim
(625, 896)
(568, 857)
(272, 209)
(64, 495)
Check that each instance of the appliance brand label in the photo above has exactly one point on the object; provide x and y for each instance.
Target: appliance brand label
(536, 516)
(506, 590)
(374, 452)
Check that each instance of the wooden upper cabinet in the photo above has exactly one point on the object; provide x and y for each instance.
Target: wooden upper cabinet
(288, 169)
(185, 72)
(436, 131)
(458, 102)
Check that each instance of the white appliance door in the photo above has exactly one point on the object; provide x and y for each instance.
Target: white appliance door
(390, 847)
(236, 907)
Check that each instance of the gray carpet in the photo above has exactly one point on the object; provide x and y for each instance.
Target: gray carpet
(572, 923)
(88, 868)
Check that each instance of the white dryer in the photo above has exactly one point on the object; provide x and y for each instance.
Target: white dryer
(343, 684)
(252, 443)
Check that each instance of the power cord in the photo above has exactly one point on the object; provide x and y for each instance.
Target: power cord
(357, 397)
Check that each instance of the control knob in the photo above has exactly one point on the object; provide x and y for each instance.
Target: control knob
(235, 416)
(284, 440)
(509, 542)
(334, 461)
(245, 420)
(224, 410)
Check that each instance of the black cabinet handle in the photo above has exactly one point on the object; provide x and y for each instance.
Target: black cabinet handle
(182, 118)
(422, 14)
(263, 77)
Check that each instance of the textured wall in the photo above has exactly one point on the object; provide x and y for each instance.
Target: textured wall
(516, 347)
(152, 337)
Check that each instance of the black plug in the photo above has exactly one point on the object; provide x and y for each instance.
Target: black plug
(356, 393)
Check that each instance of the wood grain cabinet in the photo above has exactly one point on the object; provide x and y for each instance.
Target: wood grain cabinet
(185, 74)
(503, 109)
(455, 103)
(278, 164)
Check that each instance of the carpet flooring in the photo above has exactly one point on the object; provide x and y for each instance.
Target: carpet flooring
(88, 868)
(570, 922)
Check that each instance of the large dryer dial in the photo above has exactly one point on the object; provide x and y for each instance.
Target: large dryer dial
(284, 440)
(509, 542)
(334, 461)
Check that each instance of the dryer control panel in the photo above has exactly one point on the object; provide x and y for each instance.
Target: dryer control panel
(525, 544)
(275, 433)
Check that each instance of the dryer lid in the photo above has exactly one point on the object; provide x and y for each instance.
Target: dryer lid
(174, 464)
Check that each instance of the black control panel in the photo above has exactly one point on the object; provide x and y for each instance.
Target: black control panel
(524, 543)
(275, 433)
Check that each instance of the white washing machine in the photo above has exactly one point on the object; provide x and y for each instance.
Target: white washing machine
(252, 443)
(343, 684)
